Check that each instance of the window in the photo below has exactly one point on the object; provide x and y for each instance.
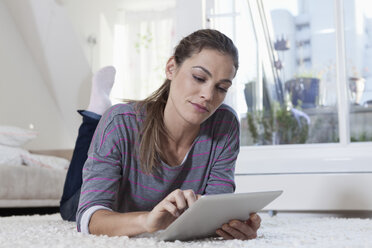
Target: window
(142, 46)
(358, 40)
(290, 91)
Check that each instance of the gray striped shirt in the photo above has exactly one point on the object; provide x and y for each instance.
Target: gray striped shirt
(112, 176)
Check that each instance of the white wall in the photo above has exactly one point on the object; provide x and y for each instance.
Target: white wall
(312, 192)
(26, 97)
(188, 18)
(95, 18)
(46, 62)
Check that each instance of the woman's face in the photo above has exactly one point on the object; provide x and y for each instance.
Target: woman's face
(199, 85)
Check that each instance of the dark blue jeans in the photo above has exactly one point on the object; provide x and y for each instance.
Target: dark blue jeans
(71, 191)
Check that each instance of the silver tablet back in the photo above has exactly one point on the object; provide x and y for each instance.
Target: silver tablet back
(210, 212)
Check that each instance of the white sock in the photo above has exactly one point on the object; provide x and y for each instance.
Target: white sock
(102, 83)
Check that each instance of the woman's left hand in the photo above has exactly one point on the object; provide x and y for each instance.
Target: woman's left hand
(243, 230)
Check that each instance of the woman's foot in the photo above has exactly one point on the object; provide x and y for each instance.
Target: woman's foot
(102, 83)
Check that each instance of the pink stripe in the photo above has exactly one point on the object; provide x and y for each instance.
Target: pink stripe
(219, 134)
(127, 153)
(163, 179)
(200, 154)
(227, 180)
(201, 141)
(220, 184)
(197, 167)
(232, 169)
(100, 179)
(116, 127)
(137, 196)
(128, 113)
(214, 123)
(103, 205)
(171, 169)
(200, 190)
(96, 159)
(103, 140)
(222, 109)
(96, 190)
(119, 105)
(227, 159)
(81, 204)
(228, 139)
(182, 168)
(115, 145)
(109, 115)
(196, 180)
(145, 186)
(219, 147)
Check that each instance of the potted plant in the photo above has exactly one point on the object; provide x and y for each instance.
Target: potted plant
(280, 125)
(356, 86)
(356, 82)
(305, 89)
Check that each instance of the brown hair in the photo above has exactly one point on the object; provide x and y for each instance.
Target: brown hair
(153, 127)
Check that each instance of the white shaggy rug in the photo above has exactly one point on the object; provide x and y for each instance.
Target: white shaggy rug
(279, 231)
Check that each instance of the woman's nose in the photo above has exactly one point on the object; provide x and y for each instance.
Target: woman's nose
(206, 92)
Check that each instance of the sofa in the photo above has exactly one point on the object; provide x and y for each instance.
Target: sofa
(29, 178)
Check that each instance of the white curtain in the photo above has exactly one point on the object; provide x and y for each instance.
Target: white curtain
(142, 46)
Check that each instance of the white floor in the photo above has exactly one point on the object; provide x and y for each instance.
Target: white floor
(283, 230)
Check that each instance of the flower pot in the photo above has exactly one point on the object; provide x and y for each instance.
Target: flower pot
(304, 90)
(356, 85)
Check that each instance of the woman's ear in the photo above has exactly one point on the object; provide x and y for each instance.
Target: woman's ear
(170, 68)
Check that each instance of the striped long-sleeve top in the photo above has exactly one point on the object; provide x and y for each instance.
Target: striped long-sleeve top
(112, 176)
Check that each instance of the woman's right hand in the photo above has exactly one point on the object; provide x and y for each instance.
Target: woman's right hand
(169, 209)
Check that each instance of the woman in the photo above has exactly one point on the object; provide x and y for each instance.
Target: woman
(149, 160)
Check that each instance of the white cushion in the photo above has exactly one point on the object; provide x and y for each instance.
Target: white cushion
(15, 136)
(11, 155)
(51, 162)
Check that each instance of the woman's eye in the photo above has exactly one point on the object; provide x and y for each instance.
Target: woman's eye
(199, 79)
(222, 89)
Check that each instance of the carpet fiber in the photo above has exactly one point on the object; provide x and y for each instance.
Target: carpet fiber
(279, 231)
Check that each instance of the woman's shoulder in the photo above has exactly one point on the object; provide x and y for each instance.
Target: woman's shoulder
(121, 111)
(223, 118)
(225, 112)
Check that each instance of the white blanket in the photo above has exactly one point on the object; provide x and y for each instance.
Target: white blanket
(279, 231)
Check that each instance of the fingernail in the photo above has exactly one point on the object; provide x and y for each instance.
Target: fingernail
(254, 217)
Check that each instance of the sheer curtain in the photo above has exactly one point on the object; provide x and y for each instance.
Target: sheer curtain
(142, 46)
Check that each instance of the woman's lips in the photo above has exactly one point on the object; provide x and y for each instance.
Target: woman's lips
(200, 108)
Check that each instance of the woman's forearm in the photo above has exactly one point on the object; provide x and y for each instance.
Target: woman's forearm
(104, 222)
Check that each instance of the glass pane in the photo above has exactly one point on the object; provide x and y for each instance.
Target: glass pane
(358, 41)
(134, 36)
(298, 101)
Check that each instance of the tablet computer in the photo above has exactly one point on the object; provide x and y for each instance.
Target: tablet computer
(210, 212)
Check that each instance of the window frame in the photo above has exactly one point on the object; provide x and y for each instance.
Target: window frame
(342, 157)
